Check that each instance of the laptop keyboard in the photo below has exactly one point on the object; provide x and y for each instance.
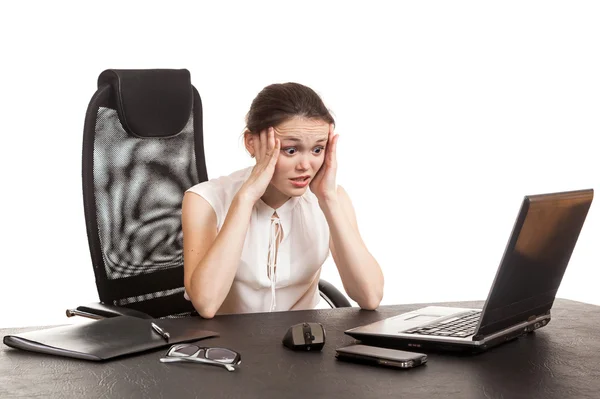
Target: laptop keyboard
(460, 326)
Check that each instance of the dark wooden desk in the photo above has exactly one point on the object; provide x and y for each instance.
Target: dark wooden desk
(561, 360)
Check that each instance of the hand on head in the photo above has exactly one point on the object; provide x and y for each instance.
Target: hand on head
(324, 183)
(266, 151)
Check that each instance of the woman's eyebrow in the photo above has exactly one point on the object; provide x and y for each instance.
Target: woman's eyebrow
(297, 139)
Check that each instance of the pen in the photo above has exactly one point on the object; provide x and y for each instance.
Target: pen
(162, 332)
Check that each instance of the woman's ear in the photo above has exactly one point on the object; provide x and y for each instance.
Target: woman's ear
(249, 142)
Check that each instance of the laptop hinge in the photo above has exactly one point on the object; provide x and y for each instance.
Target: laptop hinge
(480, 337)
(523, 324)
(529, 319)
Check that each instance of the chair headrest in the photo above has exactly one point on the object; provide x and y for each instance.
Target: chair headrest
(151, 102)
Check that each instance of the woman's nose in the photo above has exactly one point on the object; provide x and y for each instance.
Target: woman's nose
(303, 163)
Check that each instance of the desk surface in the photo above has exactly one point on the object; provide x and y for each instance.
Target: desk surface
(561, 360)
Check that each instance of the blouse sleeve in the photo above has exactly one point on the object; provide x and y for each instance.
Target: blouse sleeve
(214, 194)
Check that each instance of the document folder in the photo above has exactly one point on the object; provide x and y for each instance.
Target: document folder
(108, 338)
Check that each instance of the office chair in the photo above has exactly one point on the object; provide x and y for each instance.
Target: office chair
(142, 148)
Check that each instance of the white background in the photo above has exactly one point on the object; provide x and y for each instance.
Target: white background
(448, 114)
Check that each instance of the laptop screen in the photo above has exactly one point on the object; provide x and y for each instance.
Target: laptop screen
(535, 259)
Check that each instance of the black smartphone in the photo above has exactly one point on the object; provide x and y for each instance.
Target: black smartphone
(380, 356)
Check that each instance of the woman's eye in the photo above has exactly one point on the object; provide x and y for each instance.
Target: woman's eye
(293, 150)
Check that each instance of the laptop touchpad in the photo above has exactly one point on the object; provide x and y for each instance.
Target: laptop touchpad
(422, 318)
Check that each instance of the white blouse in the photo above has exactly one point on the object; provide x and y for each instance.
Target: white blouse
(272, 277)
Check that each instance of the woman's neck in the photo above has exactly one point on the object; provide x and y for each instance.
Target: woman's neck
(273, 197)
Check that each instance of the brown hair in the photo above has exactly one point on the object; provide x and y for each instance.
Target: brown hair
(279, 102)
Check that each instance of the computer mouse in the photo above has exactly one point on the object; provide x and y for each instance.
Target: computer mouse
(305, 337)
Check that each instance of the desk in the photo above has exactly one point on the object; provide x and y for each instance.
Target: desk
(561, 360)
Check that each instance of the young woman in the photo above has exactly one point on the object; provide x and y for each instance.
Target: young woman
(255, 240)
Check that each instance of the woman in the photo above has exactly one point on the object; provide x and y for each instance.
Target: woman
(255, 240)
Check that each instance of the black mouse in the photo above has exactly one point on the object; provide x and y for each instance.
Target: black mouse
(305, 337)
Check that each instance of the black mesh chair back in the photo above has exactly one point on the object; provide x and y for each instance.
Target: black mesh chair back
(142, 148)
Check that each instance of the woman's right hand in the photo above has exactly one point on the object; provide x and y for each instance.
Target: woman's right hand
(266, 151)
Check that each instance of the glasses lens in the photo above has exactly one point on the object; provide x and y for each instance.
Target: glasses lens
(183, 350)
(221, 355)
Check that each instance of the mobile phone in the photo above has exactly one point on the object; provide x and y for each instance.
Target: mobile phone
(380, 356)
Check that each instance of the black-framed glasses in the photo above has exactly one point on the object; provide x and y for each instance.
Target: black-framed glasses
(198, 354)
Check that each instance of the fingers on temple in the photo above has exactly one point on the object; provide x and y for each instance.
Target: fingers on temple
(263, 143)
(276, 150)
(271, 139)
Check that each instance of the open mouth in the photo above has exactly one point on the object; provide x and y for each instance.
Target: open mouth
(301, 179)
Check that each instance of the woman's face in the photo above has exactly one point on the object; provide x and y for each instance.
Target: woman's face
(303, 143)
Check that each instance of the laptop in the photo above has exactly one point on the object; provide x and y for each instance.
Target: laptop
(521, 296)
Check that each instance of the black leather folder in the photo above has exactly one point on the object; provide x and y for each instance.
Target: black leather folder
(109, 338)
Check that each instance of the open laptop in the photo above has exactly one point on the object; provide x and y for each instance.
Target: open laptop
(523, 291)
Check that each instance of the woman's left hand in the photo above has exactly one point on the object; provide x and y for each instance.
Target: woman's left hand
(323, 184)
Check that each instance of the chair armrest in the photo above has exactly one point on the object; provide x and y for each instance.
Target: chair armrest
(102, 310)
(332, 295)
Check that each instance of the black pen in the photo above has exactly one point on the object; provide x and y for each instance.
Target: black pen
(162, 332)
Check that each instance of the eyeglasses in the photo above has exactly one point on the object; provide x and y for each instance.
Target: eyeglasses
(197, 354)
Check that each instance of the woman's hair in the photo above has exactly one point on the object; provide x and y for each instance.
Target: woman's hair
(279, 102)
